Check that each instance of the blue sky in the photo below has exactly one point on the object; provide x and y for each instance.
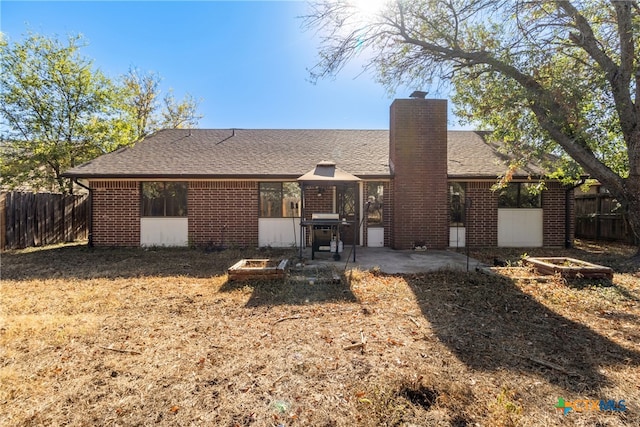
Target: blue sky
(247, 61)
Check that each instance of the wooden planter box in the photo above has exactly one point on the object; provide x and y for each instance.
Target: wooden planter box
(257, 269)
(569, 267)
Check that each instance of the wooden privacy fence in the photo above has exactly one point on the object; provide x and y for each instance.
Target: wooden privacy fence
(599, 218)
(38, 219)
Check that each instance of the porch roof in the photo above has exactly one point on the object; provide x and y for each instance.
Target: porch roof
(327, 172)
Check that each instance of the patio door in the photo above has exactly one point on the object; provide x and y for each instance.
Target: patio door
(373, 210)
(347, 205)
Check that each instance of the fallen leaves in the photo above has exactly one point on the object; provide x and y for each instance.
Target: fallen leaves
(262, 355)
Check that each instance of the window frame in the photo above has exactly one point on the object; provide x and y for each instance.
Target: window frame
(522, 198)
(166, 199)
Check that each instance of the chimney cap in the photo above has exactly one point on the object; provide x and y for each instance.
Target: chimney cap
(418, 94)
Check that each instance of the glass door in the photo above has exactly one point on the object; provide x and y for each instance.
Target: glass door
(347, 206)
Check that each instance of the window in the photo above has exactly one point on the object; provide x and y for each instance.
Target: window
(375, 191)
(347, 200)
(457, 203)
(279, 199)
(164, 199)
(520, 195)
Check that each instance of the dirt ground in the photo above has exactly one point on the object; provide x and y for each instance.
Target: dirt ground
(134, 337)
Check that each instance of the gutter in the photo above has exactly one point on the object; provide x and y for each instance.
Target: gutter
(90, 224)
(568, 243)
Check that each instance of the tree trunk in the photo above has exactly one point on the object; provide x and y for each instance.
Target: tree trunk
(633, 208)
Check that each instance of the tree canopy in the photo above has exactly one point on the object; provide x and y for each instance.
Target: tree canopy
(546, 76)
(149, 113)
(58, 111)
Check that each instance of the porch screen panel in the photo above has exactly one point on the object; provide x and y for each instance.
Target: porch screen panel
(279, 199)
(375, 191)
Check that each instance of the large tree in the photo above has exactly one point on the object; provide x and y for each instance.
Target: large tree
(149, 113)
(546, 76)
(56, 110)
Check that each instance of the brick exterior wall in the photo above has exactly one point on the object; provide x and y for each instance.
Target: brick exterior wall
(482, 215)
(317, 204)
(220, 213)
(553, 220)
(226, 213)
(223, 213)
(387, 212)
(418, 158)
(572, 217)
(115, 213)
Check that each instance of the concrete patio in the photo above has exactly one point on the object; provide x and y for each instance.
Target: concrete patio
(392, 261)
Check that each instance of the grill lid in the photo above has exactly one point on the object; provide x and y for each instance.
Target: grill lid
(320, 216)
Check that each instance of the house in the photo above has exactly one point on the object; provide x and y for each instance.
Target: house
(416, 184)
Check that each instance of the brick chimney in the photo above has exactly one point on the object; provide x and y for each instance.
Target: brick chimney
(418, 160)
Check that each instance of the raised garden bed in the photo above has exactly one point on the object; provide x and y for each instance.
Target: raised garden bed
(249, 269)
(569, 267)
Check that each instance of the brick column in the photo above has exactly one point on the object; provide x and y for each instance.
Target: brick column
(553, 202)
(116, 213)
(482, 215)
(418, 160)
(223, 213)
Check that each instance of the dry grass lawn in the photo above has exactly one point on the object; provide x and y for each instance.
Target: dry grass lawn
(160, 337)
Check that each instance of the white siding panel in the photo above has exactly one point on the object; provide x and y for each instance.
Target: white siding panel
(457, 237)
(278, 232)
(164, 231)
(520, 228)
(375, 237)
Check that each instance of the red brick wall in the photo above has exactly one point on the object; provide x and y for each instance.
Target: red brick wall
(226, 213)
(553, 202)
(572, 216)
(223, 213)
(418, 155)
(482, 215)
(318, 204)
(220, 213)
(388, 212)
(115, 213)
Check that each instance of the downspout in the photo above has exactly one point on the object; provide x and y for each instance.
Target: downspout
(568, 243)
(90, 224)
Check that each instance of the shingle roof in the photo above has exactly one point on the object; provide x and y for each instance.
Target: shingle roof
(264, 153)
(470, 155)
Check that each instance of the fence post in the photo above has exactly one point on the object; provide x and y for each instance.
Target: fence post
(598, 216)
(3, 221)
(22, 220)
(10, 235)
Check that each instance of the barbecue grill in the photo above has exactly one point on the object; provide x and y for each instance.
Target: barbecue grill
(326, 227)
(325, 233)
